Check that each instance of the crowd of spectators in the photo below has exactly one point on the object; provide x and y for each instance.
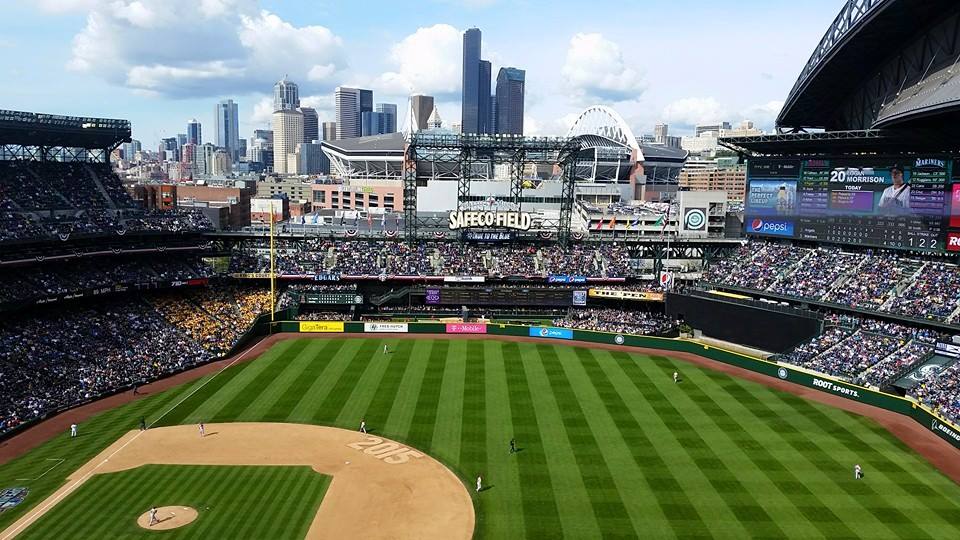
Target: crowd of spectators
(215, 317)
(616, 320)
(47, 200)
(867, 351)
(941, 392)
(869, 279)
(372, 258)
(854, 354)
(816, 273)
(57, 278)
(62, 357)
(754, 266)
(895, 364)
(934, 294)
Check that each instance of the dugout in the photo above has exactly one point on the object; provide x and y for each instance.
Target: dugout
(743, 320)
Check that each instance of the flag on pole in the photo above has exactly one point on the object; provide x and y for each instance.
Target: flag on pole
(600, 223)
(613, 222)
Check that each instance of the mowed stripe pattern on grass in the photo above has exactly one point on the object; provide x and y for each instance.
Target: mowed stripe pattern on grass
(232, 502)
(611, 447)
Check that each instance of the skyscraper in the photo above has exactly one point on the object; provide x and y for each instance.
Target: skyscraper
(329, 131)
(170, 148)
(660, 133)
(194, 133)
(287, 134)
(350, 104)
(420, 108)
(286, 95)
(366, 100)
(228, 130)
(493, 114)
(470, 103)
(511, 83)
(483, 95)
(388, 117)
(311, 124)
(370, 123)
(181, 139)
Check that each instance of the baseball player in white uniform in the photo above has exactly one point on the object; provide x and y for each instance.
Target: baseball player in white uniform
(857, 471)
(676, 377)
(200, 428)
(73, 430)
(153, 515)
(385, 351)
(479, 483)
(363, 426)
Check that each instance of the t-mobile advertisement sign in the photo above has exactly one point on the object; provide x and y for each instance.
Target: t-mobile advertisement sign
(466, 328)
(433, 296)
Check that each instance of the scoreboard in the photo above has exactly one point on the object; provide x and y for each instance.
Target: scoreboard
(497, 296)
(911, 204)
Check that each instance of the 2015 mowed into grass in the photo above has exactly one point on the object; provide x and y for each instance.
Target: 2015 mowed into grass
(609, 445)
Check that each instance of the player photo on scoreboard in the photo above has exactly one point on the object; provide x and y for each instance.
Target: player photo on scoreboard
(870, 190)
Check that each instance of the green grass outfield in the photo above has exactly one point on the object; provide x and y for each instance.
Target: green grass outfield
(611, 447)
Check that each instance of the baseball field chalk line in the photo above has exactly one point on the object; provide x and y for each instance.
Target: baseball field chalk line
(37, 512)
(52, 467)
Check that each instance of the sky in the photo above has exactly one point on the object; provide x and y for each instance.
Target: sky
(159, 63)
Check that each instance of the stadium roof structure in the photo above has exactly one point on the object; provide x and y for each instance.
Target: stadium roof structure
(389, 144)
(48, 130)
(881, 63)
(848, 142)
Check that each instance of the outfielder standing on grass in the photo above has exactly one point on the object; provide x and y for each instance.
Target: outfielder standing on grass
(676, 377)
(479, 483)
(73, 430)
(857, 472)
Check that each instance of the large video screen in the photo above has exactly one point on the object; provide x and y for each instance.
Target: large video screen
(905, 204)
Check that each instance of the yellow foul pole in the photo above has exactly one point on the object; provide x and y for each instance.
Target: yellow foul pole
(273, 275)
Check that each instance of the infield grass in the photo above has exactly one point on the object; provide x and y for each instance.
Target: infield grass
(232, 502)
(610, 446)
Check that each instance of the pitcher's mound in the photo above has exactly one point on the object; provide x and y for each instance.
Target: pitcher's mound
(168, 517)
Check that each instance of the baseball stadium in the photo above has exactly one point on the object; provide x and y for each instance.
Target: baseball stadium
(576, 348)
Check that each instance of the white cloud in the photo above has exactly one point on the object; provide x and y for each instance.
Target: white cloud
(764, 116)
(262, 112)
(222, 47)
(595, 68)
(689, 112)
(427, 61)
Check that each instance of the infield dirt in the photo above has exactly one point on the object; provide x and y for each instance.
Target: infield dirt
(391, 493)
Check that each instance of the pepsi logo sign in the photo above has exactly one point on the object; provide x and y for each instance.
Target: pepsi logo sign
(772, 227)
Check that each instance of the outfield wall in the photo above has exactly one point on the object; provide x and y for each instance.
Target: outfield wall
(943, 428)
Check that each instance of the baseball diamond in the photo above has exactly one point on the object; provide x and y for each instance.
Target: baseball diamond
(606, 445)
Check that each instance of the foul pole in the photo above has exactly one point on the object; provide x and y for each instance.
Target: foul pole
(273, 275)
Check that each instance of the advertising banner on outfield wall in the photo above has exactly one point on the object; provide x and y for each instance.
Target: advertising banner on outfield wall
(321, 326)
(384, 327)
(466, 328)
(551, 332)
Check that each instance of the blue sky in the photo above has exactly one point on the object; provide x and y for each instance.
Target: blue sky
(160, 63)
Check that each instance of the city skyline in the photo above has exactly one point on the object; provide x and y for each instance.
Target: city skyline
(399, 54)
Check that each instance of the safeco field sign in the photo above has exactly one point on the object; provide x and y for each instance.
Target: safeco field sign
(321, 326)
